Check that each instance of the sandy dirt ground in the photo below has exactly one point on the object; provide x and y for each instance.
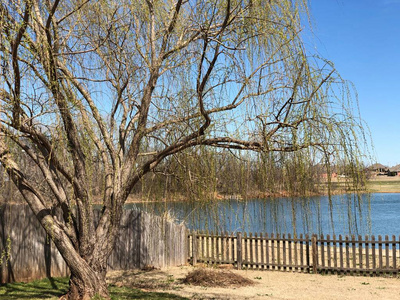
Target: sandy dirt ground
(267, 285)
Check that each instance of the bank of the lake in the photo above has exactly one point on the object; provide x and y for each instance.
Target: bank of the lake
(377, 184)
(384, 184)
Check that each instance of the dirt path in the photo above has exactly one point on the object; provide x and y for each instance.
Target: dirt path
(268, 285)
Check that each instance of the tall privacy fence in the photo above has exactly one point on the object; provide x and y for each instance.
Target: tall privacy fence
(304, 253)
(26, 253)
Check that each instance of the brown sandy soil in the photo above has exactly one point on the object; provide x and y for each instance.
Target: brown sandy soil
(268, 285)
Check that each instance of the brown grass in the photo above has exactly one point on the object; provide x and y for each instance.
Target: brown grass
(212, 278)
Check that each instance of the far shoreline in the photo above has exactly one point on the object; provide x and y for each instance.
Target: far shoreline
(375, 185)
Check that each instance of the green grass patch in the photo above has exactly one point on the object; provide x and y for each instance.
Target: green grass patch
(53, 288)
(377, 185)
(49, 288)
(384, 186)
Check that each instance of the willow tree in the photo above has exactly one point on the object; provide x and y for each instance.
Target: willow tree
(112, 88)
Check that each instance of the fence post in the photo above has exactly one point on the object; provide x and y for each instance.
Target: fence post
(307, 238)
(187, 245)
(194, 248)
(314, 253)
(239, 250)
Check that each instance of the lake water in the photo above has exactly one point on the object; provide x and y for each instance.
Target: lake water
(377, 214)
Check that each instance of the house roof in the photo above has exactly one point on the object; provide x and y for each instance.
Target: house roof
(395, 168)
(377, 166)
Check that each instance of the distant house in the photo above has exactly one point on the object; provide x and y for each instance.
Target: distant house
(394, 171)
(378, 169)
(320, 170)
(333, 175)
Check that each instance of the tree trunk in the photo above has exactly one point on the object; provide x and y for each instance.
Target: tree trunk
(87, 284)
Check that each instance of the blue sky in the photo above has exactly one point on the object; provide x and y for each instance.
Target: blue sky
(362, 39)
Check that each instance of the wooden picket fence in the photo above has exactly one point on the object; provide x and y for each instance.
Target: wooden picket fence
(304, 253)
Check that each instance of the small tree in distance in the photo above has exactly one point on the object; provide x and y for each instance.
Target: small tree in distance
(112, 88)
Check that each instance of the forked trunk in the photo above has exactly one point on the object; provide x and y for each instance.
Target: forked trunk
(86, 285)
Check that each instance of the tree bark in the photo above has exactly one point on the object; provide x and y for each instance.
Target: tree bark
(86, 283)
(86, 288)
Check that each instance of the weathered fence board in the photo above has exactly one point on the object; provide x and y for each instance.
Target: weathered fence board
(26, 250)
(144, 240)
(349, 254)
